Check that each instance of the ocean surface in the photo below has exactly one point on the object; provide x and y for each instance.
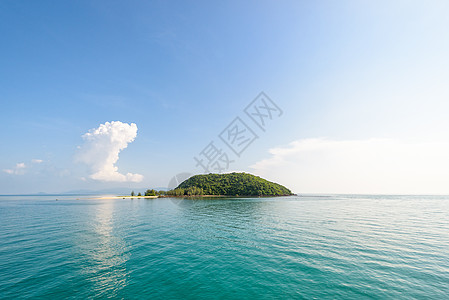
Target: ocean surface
(322, 247)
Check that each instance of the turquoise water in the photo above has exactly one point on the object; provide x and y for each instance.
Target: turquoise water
(329, 247)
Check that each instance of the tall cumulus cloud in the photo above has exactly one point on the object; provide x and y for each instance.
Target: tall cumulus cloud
(101, 149)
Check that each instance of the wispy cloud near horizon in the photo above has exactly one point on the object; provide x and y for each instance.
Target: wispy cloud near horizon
(101, 149)
(372, 166)
(19, 169)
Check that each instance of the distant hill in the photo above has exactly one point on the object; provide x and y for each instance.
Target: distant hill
(234, 184)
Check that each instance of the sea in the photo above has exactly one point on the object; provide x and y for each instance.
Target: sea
(297, 247)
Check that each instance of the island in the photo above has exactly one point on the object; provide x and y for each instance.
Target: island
(229, 184)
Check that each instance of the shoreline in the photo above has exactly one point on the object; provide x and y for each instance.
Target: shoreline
(127, 197)
(185, 196)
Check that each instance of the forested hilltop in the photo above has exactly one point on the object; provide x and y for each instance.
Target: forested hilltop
(232, 184)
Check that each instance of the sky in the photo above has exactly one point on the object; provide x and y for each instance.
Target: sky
(321, 96)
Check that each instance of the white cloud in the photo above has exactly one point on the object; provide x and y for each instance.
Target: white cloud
(359, 166)
(36, 161)
(19, 169)
(102, 147)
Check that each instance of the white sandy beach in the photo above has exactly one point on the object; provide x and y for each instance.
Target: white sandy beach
(127, 197)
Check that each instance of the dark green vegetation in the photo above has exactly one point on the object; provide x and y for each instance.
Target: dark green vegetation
(154, 193)
(189, 191)
(232, 184)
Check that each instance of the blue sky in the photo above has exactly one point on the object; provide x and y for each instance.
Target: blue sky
(359, 83)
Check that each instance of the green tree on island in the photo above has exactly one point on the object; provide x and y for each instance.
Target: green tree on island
(232, 184)
(151, 193)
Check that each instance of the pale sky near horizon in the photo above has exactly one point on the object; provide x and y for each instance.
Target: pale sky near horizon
(104, 94)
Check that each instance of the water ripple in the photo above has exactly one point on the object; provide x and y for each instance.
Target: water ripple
(328, 247)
